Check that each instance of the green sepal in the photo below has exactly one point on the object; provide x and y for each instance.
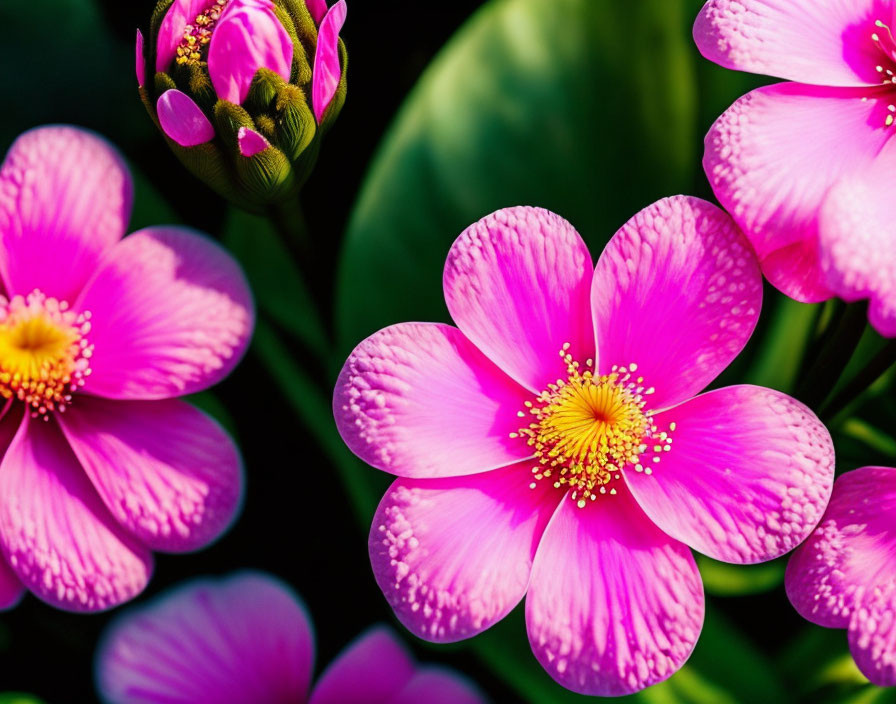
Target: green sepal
(267, 177)
(335, 106)
(193, 79)
(301, 68)
(163, 82)
(209, 164)
(306, 30)
(228, 120)
(263, 92)
(296, 125)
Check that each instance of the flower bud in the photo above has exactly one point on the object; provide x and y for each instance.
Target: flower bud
(243, 90)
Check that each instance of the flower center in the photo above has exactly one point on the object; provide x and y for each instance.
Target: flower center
(585, 429)
(194, 45)
(44, 353)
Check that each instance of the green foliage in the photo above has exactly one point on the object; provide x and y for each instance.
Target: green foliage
(18, 698)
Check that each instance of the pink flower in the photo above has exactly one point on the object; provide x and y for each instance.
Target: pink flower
(248, 638)
(99, 461)
(807, 168)
(235, 39)
(580, 478)
(844, 575)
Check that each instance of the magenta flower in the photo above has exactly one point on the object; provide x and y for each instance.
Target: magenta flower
(806, 168)
(99, 461)
(208, 54)
(844, 575)
(582, 477)
(248, 638)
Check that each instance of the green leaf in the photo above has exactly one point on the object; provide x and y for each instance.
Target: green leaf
(531, 103)
(723, 579)
(18, 698)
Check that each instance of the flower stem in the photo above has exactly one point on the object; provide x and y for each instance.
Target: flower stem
(871, 372)
(833, 356)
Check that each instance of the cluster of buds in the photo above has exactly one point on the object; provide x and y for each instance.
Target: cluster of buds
(243, 90)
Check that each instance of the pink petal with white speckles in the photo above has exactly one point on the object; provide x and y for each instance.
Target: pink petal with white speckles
(419, 400)
(517, 285)
(55, 531)
(171, 314)
(375, 667)
(850, 553)
(65, 199)
(746, 477)
(826, 43)
(11, 588)
(167, 472)
(615, 605)
(453, 556)
(872, 633)
(858, 239)
(243, 639)
(677, 292)
(771, 159)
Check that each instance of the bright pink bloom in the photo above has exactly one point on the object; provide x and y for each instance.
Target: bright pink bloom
(582, 477)
(237, 38)
(248, 638)
(99, 461)
(807, 168)
(844, 575)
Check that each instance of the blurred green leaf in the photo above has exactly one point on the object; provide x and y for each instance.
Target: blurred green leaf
(585, 107)
(18, 698)
(725, 668)
(723, 579)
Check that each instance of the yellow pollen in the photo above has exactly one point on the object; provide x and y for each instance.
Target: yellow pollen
(193, 45)
(44, 353)
(585, 429)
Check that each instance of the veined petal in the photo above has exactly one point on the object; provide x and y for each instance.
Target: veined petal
(171, 31)
(375, 667)
(167, 472)
(517, 284)
(746, 477)
(453, 556)
(825, 43)
(615, 605)
(771, 159)
(247, 37)
(850, 556)
(65, 198)
(872, 634)
(243, 639)
(183, 120)
(171, 315)
(55, 531)
(11, 587)
(327, 70)
(419, 400)
(858, 239)
(677, 291)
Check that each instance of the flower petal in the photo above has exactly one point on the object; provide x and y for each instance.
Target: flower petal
(11, 588)
(419, 400)
(872, 634)
(183, 120)
(453, 556)
(517, 284)
(250, 142)
(375, 667)
(615, 605)
(825, 43)
(247, 638)
(747, 475)
(850, 554)
(167, 472)
(439, 685)
(327, 68)
(771, 159)
(65, 198)
(171, 31)
(56, 534)
(318, 9)
(858, 241)
(247, 37)
(171, 315)
(677, 291)
(141, 61)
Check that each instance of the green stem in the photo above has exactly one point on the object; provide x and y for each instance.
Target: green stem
(871, 372)
(289, 220)
(833, 356)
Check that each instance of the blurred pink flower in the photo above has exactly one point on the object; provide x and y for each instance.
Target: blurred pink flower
(99, 462)
(580, 478)
(808, 169)
(844, 575)
(248, 638)
(236, 38)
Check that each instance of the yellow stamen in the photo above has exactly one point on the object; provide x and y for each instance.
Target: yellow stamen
(196, 37)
